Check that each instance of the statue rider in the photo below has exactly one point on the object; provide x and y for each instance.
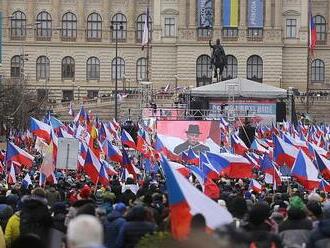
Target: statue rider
(218, 57)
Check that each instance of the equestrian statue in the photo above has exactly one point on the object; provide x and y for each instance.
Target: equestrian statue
(218, 59)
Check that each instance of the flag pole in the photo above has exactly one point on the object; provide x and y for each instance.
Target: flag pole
(148, 51)
(308, 54)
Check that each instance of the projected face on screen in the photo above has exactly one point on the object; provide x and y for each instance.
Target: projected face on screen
(193, 134)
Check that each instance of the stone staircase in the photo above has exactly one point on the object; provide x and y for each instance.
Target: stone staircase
(319, 107)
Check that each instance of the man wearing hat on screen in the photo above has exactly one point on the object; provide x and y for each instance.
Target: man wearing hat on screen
(192, 141)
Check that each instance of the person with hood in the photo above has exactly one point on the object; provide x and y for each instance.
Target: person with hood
(113, 224)
(135, 228)
(35, 217)
(259, 227)
(13, 225)
(295, 231)
(320, 237)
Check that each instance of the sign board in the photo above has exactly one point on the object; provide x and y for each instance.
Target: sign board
(264, 110)
(67, 153)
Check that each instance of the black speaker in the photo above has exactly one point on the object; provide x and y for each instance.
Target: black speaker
(280, 112)
(247, 134)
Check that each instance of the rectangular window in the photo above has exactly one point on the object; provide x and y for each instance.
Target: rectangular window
(67, 95)
(291, 27)
(169, 26)
(91, 94)
(255, 34)
(230, 33)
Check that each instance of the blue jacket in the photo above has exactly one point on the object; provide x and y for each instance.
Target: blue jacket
(112, 226)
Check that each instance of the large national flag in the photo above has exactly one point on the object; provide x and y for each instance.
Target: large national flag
(40, 129)
(126, 139)
(95, 169)
(323, 165)
(18, 155)
(145, 35)
(284, 153)
(26, 181)
(231, 165)
(305, 171)
(11, 177)
(185, 201)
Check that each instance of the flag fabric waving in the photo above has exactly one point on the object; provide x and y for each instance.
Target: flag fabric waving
(18, 155)
(185, 201)
(145, 35)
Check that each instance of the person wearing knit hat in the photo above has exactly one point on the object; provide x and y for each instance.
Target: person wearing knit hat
(296, 229)
(321, 234)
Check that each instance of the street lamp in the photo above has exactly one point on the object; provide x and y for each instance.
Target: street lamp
(115, 27)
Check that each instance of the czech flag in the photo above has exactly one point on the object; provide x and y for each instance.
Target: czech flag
(109, 168)
(40, 129)
(11, 177)
(207, 167)
(312, 33)
(231, 165)
(18, 155)
(269, 168)
(238, 145)
(185, 201)
(95, 170)
(305, 171)
(26, 181)
(255, 186)
(126, 139)
(112, 152)
(190, 157)
(284, 153)
(323, 165)
(324, 185)
(258, 147)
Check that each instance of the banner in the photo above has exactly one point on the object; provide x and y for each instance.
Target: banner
(264, 111)
(255, 13)
(179, 136)
(230, 13)
(205, 13)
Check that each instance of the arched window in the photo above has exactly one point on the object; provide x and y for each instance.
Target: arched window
(320, 25)
(141, 69)
(69, 26)
(231, 70)
(318, 71)
(44, 25)
(68, 68)
(140, 26)
(18, 25)
(15, 66)
(94, 27)
(93, 68)
(119, 25)
(120, 68)
(255, 68)
(203, 70)
(43, 68)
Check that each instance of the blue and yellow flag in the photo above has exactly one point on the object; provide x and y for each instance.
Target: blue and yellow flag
(230, 13)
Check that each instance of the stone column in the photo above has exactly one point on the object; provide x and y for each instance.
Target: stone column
(242, 21)
(81, 20)
(5, 21)
(268, 13)
(156, 34)
(106, 20)
(217, 19)
(192, 14)
(131, 18)
(182, 14)
(278, 13)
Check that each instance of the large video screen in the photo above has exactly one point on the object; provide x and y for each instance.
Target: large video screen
(179, 136)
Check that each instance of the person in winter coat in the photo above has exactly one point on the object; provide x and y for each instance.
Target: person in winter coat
(53, 196)
(135, 228)
(320, 237)
(113, 224)
(12, 228)
(295, 231)
(35, 217)
(259, 227)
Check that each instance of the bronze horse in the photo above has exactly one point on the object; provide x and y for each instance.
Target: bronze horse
(218, 59)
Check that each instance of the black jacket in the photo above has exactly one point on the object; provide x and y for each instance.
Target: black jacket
(320, 237)
(35, 217)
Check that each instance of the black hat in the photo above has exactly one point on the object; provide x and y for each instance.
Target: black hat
(193, 129)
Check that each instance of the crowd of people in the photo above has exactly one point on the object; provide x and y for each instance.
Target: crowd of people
(130, 211)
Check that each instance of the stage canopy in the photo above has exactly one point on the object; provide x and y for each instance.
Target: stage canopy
(241, 87)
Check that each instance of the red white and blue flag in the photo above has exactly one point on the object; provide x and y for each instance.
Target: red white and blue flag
(185, 201)
(18, 155)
